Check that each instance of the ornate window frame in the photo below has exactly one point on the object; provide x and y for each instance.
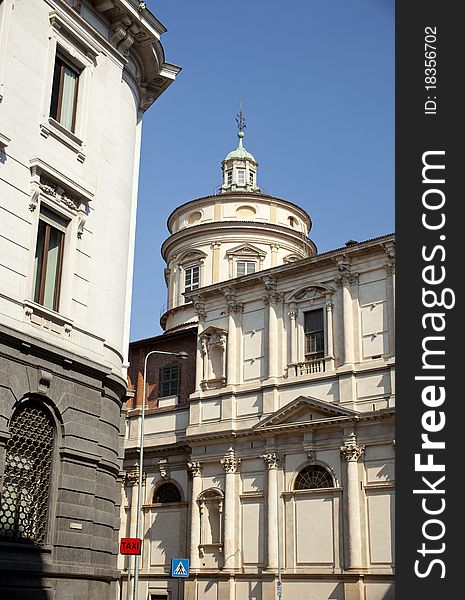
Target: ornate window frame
(71, 202)
(188, 259)
(70, 40)
(246, 252)
(305, 299)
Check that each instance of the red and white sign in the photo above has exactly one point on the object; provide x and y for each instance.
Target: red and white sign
(130, 546)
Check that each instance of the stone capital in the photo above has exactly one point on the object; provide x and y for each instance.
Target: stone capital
(230, 462)
(194, 468)
(351, 451)
(271, 460)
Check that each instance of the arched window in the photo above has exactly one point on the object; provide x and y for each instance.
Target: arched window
(26, 484)
(166, 493)
(313, 477)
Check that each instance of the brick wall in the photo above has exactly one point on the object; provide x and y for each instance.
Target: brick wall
(179, 341)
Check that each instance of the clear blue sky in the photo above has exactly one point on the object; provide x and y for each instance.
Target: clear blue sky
(317, 81)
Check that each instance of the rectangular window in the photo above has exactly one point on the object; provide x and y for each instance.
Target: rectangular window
(64, 92)
(169, 381)
(191, 279)
(240, 176)
(48, 260)
(245, 267)
(251, 177)
(314, 334)
(229, 177)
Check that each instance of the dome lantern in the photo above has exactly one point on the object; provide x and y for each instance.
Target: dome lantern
(240, 167)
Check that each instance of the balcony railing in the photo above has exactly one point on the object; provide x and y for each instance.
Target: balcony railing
(314, 365)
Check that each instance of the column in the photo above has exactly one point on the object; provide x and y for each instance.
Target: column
(351, 452)
(329, 334)
(345, 279)
(195, 470)
(230, 465)
(390, 295)
(215, 246)
(272, 336)
(293, 334)
(199, 368)
(271, 463)
(232, 352)
(274, 254)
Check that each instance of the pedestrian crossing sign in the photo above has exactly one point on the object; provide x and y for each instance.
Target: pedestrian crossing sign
(179, 567)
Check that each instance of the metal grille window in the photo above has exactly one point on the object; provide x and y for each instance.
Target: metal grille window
(314, 334)
(169, 381)
(191, 279)
(24, 502)
(245, 267)
(166, 493)
(313, 477)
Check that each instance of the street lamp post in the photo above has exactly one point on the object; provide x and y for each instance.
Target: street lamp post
(182, 355)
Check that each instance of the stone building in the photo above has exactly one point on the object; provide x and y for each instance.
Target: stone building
(277, 478)
(76, 77)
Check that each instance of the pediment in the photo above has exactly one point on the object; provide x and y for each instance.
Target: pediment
(316, 290)
(305, 409)
(246, 250)
(191, 256)
(212, 330)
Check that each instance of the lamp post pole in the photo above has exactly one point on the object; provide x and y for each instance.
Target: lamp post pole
(141, 464)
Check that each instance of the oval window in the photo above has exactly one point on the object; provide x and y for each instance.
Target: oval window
(194, 217)
(246, 212)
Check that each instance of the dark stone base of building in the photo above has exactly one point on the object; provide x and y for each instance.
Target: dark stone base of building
(60, 469)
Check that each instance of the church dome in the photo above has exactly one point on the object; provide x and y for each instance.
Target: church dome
(240, 152)
(234, 233)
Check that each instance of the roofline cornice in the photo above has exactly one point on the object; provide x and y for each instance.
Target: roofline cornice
(237, 226)
(238, 196)
(324, 258)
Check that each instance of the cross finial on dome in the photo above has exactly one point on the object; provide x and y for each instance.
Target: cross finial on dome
(240, 120)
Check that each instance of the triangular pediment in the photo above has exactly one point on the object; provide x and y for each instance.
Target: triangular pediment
(212, 330)
(246, 250)
(305, 409)
(311, 292)
(191, 256)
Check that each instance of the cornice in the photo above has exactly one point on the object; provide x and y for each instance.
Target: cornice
(236, 226)
(237, 197)
(325, 259)
(134, 37)
(338, 422)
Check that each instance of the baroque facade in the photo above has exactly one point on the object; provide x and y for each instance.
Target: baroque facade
(75, 80)
(276, 479)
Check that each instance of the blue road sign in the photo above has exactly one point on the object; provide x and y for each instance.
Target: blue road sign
(179, 567)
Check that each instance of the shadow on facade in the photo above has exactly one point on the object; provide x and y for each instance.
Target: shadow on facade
(22, 572)
(337, 593)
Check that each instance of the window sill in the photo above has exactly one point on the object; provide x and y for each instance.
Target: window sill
(167, 401)
(40, 316)
(63, 135)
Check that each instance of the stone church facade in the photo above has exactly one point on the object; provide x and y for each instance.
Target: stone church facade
(75, 80)
(276, 478)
